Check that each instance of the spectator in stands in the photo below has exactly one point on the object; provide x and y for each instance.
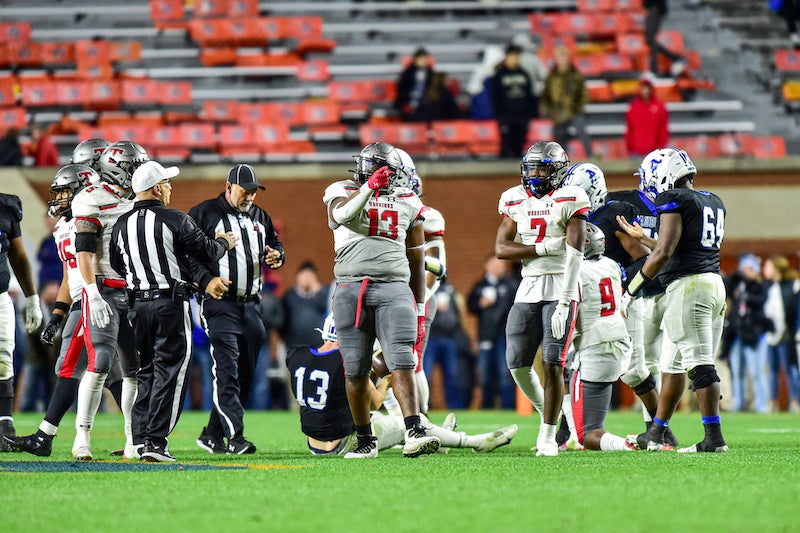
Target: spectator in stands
(43, 150)
(783, 296)
(422, 93)
(10, 151)
(50, 266)
(788, 9)
(479, 84)
(443, 345)
(513, 103)
(748, 324)
(490, 300)
(564, 98)
(646, 122)
(530, 62)
(304, 307)
(656, 11)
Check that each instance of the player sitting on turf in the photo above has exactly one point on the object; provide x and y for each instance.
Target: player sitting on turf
(319, 387)
(602, 345)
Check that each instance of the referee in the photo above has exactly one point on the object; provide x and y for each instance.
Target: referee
(149, 246)
(231, 308)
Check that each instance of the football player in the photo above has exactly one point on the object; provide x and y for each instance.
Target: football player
(88, 153)
(691, 225)
(379, 242)
(544, 227)
(435, 271)
(318, 384)
(602, 345)
(72, 359)
(630, 254)
(107, 331)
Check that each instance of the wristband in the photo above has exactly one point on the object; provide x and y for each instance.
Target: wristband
(638, 281)
(91, 291)
(61, 306)
(421, 309)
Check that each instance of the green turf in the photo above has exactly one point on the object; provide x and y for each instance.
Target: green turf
(755, 487)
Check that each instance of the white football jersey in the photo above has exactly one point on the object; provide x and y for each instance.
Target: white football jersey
(102, 203)
(64, 234)
(373, 244)
(539, 220)
(433, 226)
(599, 318)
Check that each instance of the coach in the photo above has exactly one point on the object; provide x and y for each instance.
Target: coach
(149, 246)
(231, 309)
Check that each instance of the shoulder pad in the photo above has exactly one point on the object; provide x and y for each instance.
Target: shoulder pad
(339, 189)
(14, 205)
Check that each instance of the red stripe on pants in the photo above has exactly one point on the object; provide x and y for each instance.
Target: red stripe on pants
(87, 336)
(577, 405)
(573, 305)
(73, 352)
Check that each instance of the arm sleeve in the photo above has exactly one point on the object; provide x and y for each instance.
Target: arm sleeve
(572, 275)
(198, 270)
(197, 244)
(114, 254)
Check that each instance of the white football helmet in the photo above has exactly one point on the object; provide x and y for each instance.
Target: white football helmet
(328, 330)
(595, 244)
(591, 179)
(88, 152)
(675, 166)
(68, 182)
(414, 182)
(120, 160)
(646, 172)
(546, 155)
(373, 157)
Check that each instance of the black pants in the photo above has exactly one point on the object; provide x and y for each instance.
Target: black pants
(163, 332)
(652, 24)
(236, 332)
(512, 138)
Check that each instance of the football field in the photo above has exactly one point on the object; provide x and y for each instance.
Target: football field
(755, 487)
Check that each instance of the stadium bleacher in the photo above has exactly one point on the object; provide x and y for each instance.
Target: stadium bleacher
(202, 80)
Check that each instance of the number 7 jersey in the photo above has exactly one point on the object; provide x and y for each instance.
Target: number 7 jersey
(542, 219)
(703, 217)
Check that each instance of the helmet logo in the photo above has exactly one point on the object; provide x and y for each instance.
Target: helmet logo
(99, 150)
(85, 174)
(654, 164)
(116, 151)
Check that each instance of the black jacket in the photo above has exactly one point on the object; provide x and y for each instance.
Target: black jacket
(492, 319)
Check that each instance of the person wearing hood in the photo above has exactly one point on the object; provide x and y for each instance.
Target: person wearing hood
(646, 122)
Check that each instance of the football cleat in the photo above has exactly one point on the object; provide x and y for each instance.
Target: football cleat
(498, 438)
(670, 438)
(41, 445)
(153, 453)
(450, 422)
(82, 452)
(631, 444)
(704, 447)
(547, 449)
(419, 443)
(210, 443)
(364, 451)
(240, 446)
(648, 442)
(133, 451)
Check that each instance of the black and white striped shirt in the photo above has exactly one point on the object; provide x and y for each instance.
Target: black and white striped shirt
(151, 244)
(241, 265)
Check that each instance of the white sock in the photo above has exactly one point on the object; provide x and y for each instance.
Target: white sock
(127, 400)
(528, 381)
(612, 443)
(450, 439)
(547, 432)
(566, 407)
(90, 392)
(423, 390)
(48, 428)
(646, 414)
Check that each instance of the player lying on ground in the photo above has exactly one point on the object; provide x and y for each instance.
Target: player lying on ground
(319, 387)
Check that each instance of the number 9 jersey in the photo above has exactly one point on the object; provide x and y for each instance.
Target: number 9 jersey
(703, 216)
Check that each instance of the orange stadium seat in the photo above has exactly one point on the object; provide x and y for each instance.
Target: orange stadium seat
(732, 144)
(288, 113)
(214, 57)
(95, 70)
(210, 8)
(91, 51)
(549, 42)
(140, 91)
(671, 39)
(104, 94)
(347, 91)
(595, 6)
(166, 12)
(94, 132)
(303, 27)
(211, 32)
(314, 70)
(596, 65)
(248, 32)
(26, 54)
(772, 147)
(787, 60)
(628, 5)
(197, 135)
(236, 135)
(15, 32)
(13, 117)
(275, 28)
(130, 132)
(164, 136)
(576, 150)
(38, 92)
(221, 110)
(58, 53)
(175, 93)
(608, 149)
(267, 135)
(290, 148)
(631, 43)
(600, 90)
(380, 91)
(699, 146)
(403, 135)
(8, 96)
(320, 113)
(539, 129)
(113, 118)
(479, 137)
(242, 8)
(125, 51)
(149, 119)
(322, 46)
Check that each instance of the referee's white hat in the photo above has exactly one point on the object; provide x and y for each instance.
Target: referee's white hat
(151, 173)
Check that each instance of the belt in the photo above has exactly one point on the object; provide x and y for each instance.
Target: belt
(111, 282)
(157, 294)
(241, 298)
(76, 306)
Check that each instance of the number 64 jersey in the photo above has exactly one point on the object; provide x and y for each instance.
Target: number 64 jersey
(703, 217)
(373, 244)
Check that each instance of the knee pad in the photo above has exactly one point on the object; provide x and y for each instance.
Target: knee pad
(645, 386)
(703, 376)
(6, 370)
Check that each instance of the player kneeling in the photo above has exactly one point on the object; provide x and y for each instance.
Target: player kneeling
(602, 345)
(319, 388)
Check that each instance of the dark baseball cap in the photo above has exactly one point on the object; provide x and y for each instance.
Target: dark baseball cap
(244, 176)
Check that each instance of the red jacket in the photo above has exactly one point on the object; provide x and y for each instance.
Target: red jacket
(647, 126)
(46, 154)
